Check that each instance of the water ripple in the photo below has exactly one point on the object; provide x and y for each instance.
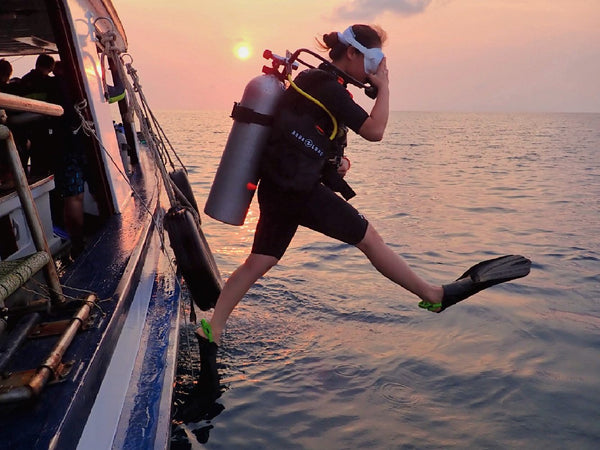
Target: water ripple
(399, 395)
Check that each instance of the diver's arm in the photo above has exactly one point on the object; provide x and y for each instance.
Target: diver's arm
(374, 127)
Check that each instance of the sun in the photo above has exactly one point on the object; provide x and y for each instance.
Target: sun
(242, 50)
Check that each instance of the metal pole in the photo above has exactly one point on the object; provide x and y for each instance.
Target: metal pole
(48, 369)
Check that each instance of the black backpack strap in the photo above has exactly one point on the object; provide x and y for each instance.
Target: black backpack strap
(243, 114)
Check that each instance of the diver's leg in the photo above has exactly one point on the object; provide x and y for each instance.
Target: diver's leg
(393, 266)
(235, 288)
(274, 232)
(73, 218)
(331, 215)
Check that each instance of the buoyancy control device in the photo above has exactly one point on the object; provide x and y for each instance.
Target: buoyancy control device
(238, 173)
(307, 142)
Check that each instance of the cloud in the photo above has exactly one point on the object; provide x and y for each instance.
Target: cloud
(369, 9)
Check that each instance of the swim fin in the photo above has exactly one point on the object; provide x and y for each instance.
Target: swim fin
(481, 276)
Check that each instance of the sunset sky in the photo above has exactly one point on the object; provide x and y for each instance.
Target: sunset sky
(443, 55)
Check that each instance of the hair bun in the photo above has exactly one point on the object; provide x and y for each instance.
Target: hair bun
(330, 39)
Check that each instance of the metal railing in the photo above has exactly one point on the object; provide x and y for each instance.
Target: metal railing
(14, 102)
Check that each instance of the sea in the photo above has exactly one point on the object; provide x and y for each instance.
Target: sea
(324, 352)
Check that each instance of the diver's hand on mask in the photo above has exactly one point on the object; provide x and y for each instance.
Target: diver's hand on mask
(380, 78)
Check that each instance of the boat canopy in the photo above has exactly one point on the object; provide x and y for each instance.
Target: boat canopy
(25, 27)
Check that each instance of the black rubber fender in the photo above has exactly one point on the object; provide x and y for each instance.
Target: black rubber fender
(195, 260)
(179, 177)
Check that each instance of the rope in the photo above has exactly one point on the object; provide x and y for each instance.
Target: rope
(41, 290)
(155, 141)
(110, 51)
(136, 87)
(89, 130)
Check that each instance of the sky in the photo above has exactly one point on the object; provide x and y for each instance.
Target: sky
(443, 55)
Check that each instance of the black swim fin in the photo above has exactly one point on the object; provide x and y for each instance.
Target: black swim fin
(481, 276)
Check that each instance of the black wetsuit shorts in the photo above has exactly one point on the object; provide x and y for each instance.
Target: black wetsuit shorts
(321, 210)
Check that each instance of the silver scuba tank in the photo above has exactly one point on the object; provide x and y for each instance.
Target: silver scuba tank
(238, 172)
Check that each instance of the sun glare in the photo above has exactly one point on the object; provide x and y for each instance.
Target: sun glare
(242, 50)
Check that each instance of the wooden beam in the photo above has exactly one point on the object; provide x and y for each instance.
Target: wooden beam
(14, 102)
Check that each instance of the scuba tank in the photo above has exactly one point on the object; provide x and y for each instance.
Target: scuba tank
(237, 176)
(238, 172)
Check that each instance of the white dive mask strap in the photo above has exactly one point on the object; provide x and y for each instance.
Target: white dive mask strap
(373, 56)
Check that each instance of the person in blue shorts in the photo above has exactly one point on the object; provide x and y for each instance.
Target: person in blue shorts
(69, 161)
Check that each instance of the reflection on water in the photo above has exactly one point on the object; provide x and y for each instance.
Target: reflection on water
(325, 353)
(196, 396)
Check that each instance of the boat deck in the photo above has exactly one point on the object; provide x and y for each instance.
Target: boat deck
(124, 267)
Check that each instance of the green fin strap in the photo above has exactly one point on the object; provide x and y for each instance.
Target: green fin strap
(429, 306)
(207, 330)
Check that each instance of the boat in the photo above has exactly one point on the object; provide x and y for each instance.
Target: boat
(89, 323)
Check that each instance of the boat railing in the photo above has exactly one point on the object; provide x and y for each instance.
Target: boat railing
(28, 266)
(24, 386)
(24, 104)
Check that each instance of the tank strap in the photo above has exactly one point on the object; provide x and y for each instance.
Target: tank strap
(247, 115)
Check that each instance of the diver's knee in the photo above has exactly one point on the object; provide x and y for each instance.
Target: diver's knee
(370, 238)
(260, 263)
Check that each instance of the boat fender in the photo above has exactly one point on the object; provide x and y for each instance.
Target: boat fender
(179, 177)
(238, 172)
(195, 260)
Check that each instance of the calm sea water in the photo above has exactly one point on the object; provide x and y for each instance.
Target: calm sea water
(326, 353)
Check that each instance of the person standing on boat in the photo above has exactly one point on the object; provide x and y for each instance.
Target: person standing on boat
(69, 160)
(5, 74)
(290, 194)
(37, 84)
(6, 71)
(8, 87)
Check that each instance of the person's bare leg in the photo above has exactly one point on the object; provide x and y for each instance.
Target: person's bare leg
(73, 217)
(235, 288)
(393, 267)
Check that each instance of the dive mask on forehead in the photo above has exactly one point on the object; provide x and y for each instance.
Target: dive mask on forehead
(373, 56)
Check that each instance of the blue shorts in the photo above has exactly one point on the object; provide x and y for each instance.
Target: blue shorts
(69, 178)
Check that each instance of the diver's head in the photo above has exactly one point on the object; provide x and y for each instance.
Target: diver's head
(357, 42)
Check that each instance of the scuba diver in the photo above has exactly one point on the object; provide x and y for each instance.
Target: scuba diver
(302, 168)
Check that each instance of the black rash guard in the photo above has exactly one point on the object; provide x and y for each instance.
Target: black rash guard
(282, 210)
